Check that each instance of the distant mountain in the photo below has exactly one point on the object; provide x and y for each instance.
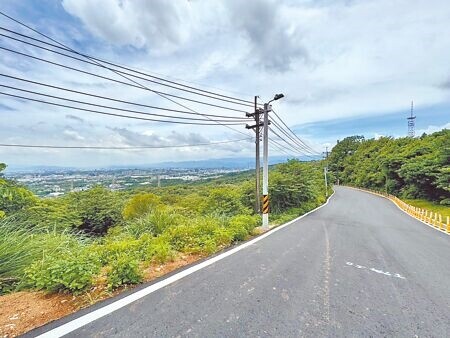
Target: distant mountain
(219, 163)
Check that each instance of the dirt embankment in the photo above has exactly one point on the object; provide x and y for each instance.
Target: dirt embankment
(23, 311)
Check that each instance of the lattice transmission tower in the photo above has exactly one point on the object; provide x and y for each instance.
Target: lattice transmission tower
(411, 122)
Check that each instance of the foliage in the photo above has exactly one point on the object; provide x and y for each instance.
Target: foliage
(56, 272)
(140, 205)
(50, 214)
(14, 197)
(98, 209)
(294, 184)
(225, 200)
(123, 270)
(408, 167)
(17, 250)
(154, 222)
(441, 208)
(157, 250)
(49, 243)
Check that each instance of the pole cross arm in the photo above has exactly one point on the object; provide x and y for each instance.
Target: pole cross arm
(261, 124)
(258, 111)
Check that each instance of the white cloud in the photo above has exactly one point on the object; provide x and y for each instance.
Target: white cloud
(432, 129)
(331, 59)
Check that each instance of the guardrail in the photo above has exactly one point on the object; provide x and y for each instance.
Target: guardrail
(433, 219)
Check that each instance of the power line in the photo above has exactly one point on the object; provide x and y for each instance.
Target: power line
(295, 135)
(140, 85)
(121, 72)
(122, 67)
(295, 142)
(120, 82)
(120, 148)
(291, 147)
(113, 114)
(117, 100)
(115, 108)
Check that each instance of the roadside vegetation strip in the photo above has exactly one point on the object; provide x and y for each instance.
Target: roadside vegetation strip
(95, 243)
(430, 218)
(101, 312)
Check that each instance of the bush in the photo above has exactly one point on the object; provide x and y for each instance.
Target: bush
(71, 272)
(445, 201)
(241, 226)
(140, 205)
(123, 270)
(157, 250)
(98, 209)
(246, 221)
(113, 249)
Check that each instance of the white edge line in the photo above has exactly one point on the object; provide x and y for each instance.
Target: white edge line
(107, 309)
(374, 193)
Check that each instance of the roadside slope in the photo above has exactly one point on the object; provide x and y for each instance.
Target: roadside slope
(358, 266)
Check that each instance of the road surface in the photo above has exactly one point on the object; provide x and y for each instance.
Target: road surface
(356, 267)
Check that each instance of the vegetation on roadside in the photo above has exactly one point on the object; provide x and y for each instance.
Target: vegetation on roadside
(444, 210)
(410, 168)
(73, 242)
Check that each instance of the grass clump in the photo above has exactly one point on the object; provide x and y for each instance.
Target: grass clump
(123, 270)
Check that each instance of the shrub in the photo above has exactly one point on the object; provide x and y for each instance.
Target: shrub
(112, 250)
(157, 250)
(140, 205)
(70, 272)
(123, 270)
(200, 235)
(98, 209)
(239, 232)
(225, 200)
(246, 221)
(445, 201)
(223, 237)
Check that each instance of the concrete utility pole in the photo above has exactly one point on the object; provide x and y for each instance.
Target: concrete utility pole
(265, 209)
(325, 171)
(265, 206)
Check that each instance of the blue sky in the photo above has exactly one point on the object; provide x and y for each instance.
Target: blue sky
(345, 67)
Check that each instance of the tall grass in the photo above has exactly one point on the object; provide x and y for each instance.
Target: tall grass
(17, 250)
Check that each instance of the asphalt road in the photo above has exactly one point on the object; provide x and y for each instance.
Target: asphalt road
(357, 267)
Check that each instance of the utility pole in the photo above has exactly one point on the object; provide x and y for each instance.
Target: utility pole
(265, 208)
(257, 128)
(265, 125)
(325, 171)
(257, 164)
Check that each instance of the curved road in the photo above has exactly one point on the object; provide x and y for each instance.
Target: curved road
(357, 267)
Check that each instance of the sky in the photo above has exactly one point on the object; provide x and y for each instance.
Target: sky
(346, 67)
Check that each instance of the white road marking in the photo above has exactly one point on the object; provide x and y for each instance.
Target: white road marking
(120, 303)
(386, 273)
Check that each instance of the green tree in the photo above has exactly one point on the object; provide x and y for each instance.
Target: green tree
(97, 208)
(13, 196)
